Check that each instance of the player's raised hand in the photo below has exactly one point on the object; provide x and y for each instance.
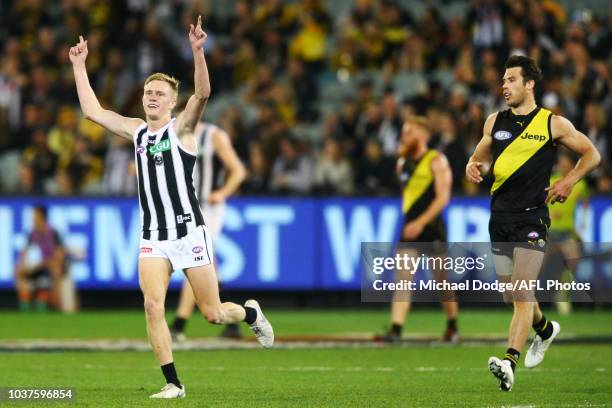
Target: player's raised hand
(473, 171)
(197, 36)
(78, 53)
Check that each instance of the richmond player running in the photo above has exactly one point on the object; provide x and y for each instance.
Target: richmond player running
(427, 181)
(520, 143)
(173, 232)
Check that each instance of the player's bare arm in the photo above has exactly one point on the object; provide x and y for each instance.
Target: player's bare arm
(113, 122)
(480, 161)
(443, 180)
(564, 133)
(236, 172)
(187, 120)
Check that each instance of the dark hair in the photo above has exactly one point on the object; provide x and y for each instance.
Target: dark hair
(529, 69)
(42, 210)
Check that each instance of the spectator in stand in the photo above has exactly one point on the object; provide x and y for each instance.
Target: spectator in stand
(292, 170)
(41, 159)
(258, 173)
(333, 172)
(375, 172)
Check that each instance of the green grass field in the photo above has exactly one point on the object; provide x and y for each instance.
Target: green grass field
(572, 374)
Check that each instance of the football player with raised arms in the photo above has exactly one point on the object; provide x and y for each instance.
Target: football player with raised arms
(174, 235)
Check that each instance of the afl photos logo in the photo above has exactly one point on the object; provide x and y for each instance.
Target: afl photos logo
(502, 135)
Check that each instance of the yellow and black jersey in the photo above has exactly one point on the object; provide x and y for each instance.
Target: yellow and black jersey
(417, 182)
(523, 157)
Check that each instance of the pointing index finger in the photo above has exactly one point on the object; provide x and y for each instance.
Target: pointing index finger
(200, 21)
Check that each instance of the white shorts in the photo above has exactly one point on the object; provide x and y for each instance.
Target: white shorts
(213, 217)
(194, 249)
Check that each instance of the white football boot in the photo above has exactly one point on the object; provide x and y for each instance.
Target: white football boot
(170, 391)
(538, 348)
(502, 370)
(261, 327)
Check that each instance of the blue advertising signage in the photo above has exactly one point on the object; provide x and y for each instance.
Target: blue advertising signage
(267, 243)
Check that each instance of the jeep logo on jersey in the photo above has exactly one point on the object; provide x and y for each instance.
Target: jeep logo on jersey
(181, 218)
(502, 135)
(529, 136)
(197, 250)
(160, 147)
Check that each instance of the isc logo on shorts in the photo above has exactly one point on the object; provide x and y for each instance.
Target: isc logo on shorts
(198, 258)
(146, 250)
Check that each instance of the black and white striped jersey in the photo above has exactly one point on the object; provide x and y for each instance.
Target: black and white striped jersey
(169, 207)
(210, 173)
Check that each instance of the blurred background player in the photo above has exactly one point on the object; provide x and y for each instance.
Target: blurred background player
(520, 142)
(218, 174)
(427, 182)
(562, 232)
(41, 265)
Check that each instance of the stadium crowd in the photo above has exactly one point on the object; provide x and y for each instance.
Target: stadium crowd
(313, 99)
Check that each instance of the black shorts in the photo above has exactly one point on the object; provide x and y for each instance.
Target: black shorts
(435, 231)
(524, 230)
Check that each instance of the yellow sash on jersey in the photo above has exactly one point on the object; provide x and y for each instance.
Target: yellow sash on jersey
(534, 137)
(420, 180)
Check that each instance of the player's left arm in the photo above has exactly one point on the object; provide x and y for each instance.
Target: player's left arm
(564, 133)
(236, 172)
(187, 120)
(443, 182)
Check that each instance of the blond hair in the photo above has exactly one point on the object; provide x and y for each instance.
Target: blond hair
(422, 121)
(170, 80)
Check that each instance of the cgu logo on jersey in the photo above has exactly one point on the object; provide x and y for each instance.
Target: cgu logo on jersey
(160, 147)
(537, 138)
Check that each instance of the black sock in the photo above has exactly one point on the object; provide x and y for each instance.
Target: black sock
(543, 328)
(170, 373)
(396, 329)
(178, 326)
(513, 357)
(451, 324)
(250, 314)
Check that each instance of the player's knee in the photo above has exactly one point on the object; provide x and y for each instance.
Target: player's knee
(154, 308)
(522, 306)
